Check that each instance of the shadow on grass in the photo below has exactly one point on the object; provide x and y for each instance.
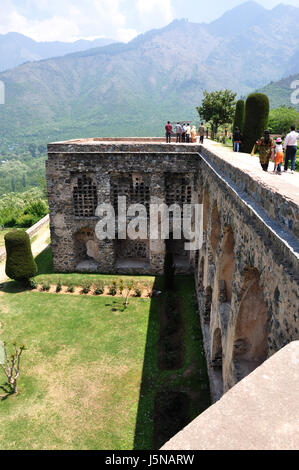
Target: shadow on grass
(171, 399)
(7, 389)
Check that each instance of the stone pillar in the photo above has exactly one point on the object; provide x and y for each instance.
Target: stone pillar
(157, 247)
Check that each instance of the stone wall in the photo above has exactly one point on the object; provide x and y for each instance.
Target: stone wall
(111, 168)
(246, 275)
(247, 270)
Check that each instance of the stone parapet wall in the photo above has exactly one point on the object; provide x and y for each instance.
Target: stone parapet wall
(31, 232)
(248, 268)
(277, 206)
(259, 413)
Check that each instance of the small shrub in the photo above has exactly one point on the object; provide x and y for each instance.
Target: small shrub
(86, 286)
(138, 292)
(99, 288)
(113, 288)
(59, 286)
(20, 264)
(71, 288)
(45, 286)
(121, 286)
(32, 284)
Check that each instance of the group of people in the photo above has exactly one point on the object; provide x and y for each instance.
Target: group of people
(268, 149)
(185, 133)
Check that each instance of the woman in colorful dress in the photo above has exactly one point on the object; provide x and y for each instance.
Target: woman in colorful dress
(265, 146)
(193, 135)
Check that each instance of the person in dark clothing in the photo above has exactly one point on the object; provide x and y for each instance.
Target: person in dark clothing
(237, 140)
(168, 129)
(184, 133)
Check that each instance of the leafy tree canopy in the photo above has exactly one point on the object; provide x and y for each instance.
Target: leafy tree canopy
(281, 119)
(218, 107)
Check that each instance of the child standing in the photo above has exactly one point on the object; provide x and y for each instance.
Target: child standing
(278, 159)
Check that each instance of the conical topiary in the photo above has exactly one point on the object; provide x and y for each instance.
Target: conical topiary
(20, 264)
(239, 116)
(256, 120)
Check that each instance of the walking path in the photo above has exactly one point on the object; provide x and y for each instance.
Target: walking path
(287, 184)
(37, 246)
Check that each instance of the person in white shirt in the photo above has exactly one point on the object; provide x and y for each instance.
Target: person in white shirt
(290, 146)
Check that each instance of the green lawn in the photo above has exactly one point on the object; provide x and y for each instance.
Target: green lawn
(90, 377)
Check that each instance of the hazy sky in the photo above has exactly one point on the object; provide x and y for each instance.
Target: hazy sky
(68, 20)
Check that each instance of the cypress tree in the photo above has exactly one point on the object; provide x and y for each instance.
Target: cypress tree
(239, 115)
(256, 119)
(20, 264)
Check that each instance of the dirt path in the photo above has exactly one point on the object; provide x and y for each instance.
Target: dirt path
(37, 246)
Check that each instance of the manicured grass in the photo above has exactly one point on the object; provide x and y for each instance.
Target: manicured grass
(90, 376)
(81, 372)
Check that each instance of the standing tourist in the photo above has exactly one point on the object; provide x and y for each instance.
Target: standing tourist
(201, 131)
(278, 156)
(193, 135)
(265, 146)
(178, 131)
(290, 146)
(237, 140)
(184, 128)
(188, 133)
(168, 129)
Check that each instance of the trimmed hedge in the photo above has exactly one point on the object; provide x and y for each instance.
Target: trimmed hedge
(239, 116)
(20, 264)
(256, 120)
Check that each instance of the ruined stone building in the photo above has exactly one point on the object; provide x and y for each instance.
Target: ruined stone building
(246, 271)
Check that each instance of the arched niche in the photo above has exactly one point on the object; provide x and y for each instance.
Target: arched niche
(250, 339)
(227, 262)
(206, 208)
(216, 356)
(215, 228)
(85, 244)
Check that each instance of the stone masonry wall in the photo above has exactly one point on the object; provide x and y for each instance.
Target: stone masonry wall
(247, 269)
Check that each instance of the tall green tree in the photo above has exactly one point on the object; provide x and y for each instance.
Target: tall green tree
(217, 108)
(281, 119)
(239, 115)
(256, 119)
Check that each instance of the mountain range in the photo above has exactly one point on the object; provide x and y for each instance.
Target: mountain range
(131, 89)
(15, 49)
(280, 93)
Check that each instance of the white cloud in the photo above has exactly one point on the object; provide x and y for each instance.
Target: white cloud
(158, 8)
(69, 20)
